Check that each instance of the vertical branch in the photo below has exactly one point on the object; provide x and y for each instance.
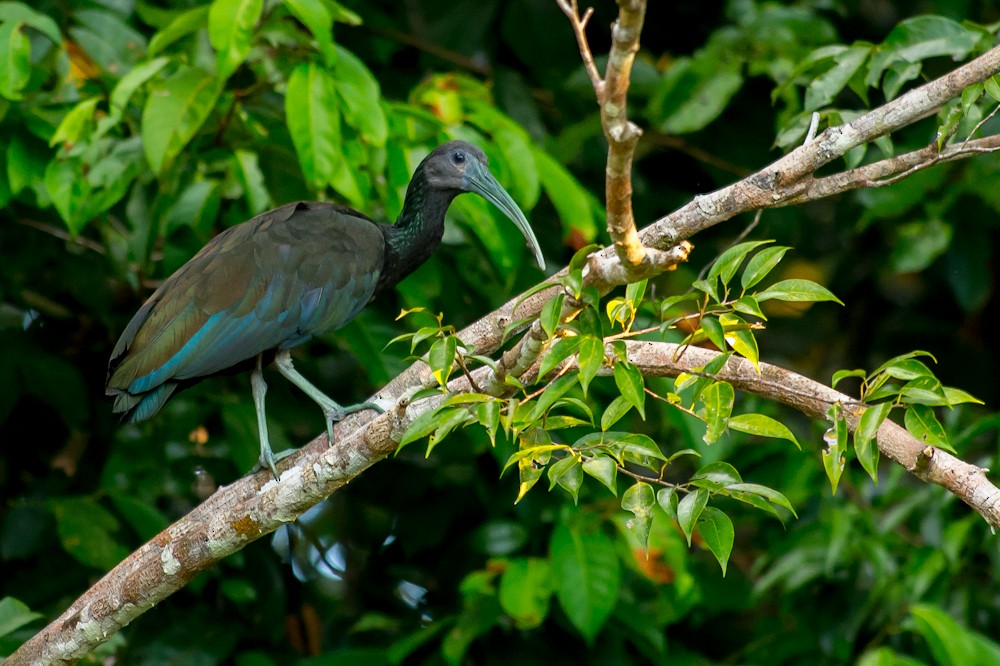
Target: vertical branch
(622, 135)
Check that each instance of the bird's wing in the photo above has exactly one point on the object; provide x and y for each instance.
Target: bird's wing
(273, 281)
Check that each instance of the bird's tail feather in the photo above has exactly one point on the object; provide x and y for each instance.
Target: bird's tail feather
(139, 407)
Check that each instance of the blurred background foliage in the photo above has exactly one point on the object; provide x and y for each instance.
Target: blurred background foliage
(132, 131)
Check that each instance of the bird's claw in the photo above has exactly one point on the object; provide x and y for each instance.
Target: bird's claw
(268, 460)
(339, 413)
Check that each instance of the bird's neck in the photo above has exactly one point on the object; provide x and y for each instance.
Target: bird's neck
(417, 231)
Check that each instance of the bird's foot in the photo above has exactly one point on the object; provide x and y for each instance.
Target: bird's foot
(269, 460)
(338, 413)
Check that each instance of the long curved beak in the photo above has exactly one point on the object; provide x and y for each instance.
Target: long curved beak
(482, 182)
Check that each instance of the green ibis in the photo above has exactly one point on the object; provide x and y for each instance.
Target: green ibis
(271, 283)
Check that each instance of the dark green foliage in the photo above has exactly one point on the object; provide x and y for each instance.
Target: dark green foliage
(132, 133)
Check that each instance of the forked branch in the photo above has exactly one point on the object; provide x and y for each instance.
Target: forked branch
(622, 134)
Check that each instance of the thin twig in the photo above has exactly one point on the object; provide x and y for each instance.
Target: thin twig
(579, 23)
(61, 234)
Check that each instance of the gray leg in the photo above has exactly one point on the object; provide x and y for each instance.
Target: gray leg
(259, 387)
(331, 410)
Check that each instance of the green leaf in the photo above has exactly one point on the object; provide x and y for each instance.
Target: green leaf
(181, 26)
(921, 422)
(717, 532)
(713, 330)
(481, 611)
(897, 360)
(342, 14)
(769, 494)
(15, 59)
(836, 440)
(143, 517)
(710, 287)
(914, 40)
(551, 314)
(868, 425)
(924, 391)
(639, 499)
(425, 424)
(822, 89)
(562, 421)
(762, 426)
(844, 374)
(797, 291)
(230, 30)
(948, 640)
(559, 352)
(630, 382)
(587, 572)
(740, 337)
(761, 264)
(196, 208)
(591, 356)
(441, 358)
(315, 16)
(535, 445)
(454, 420)
(87, 532)
(75, 123)
(534, 452)
(620, 443)
(729, 262)
(175, 110)
(14, 615)
(694, 92)
(718, 399)
(954, 396)
(582, 256)
(689, 510)
(667, 499)
(908, 369)
(716, 475)
(572, 202)
(252, 178)
(488, 414)
(620, 312)
(131, 82)
(919, 243)
(618, 408)
(525, 589)
(361, 98)
(568, 474)
(69, 190)
(18, 12)
(552, 395)
(683, 452)
(314, 122)
(748, 305)
(605, 470)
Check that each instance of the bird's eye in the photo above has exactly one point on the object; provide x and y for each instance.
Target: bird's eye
(458, 158)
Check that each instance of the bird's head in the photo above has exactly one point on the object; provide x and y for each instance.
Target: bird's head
(461, 166)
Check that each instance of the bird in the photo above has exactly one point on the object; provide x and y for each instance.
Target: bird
(264, 286)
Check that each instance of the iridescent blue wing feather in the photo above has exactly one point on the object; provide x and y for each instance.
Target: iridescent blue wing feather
(270, 283)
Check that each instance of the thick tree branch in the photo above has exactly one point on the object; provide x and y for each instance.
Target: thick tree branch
(891, 170)
(787, 178)
(927, 463)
